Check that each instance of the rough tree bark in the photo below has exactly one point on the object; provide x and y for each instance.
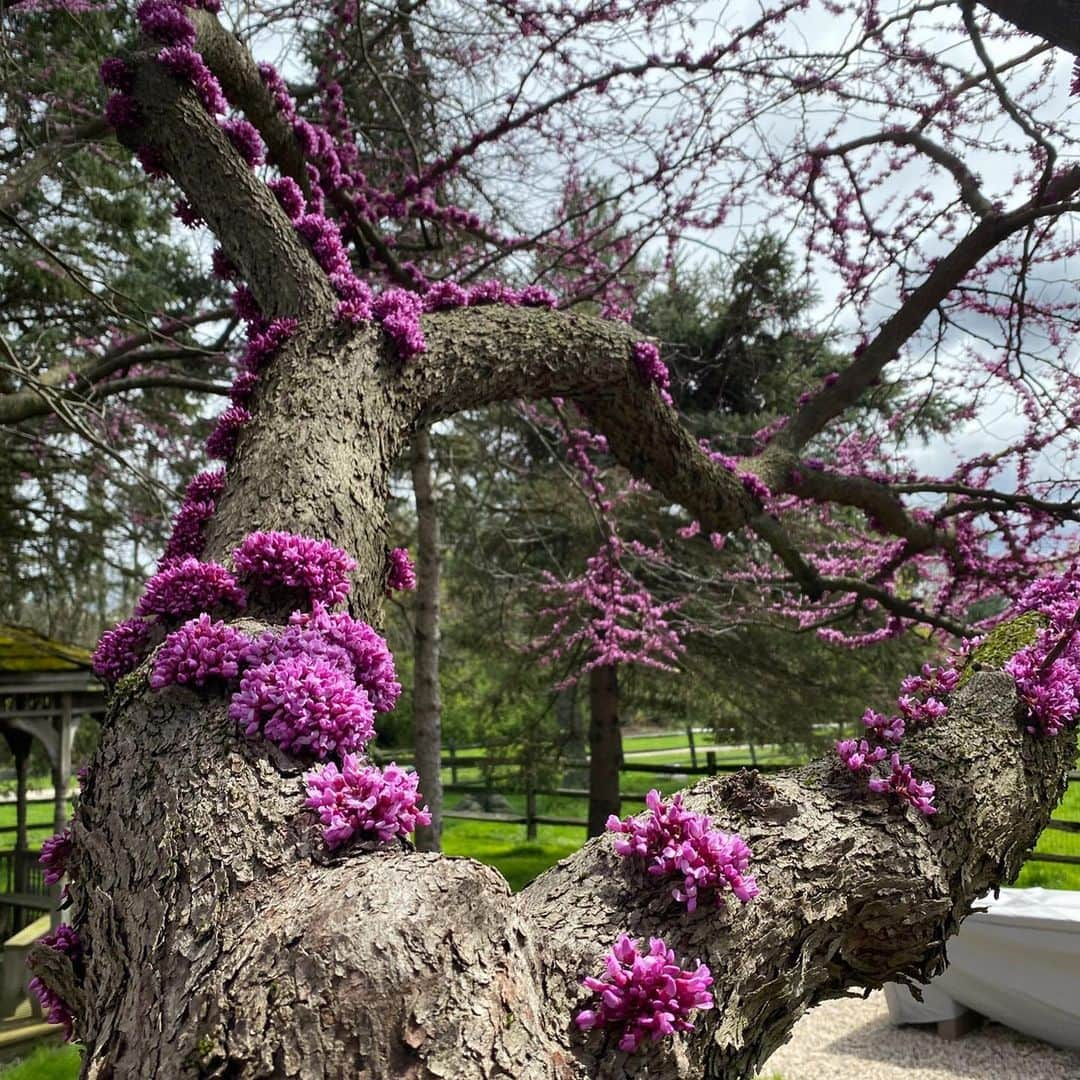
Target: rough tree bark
(427, 706)
(605, 746)
(222, 941)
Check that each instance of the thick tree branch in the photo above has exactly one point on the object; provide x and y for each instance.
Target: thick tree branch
(479, 356)
(238, 74)
(240, 209)
(855, 891)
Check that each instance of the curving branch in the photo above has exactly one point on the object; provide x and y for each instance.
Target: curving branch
(970, 190)
(76, 380)
(240, 209)
(897, 330)
(230, 60)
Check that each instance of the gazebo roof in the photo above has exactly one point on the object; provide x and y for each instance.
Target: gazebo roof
(31, 663)
(23, 651)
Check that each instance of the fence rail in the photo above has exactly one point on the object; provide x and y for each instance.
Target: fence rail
(530, 818)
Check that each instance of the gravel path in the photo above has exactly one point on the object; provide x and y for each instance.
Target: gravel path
(852, 1039)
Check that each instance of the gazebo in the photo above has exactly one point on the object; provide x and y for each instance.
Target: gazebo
(46, 689)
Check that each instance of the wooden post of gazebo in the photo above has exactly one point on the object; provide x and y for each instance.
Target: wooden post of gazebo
(61, 771)
(19, 742)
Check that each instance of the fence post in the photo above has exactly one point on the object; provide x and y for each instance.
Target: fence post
(530, 802)
(453, 762)
(710, 762)
(693, 748)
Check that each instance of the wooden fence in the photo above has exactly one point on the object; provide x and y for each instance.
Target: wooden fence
(525, 783)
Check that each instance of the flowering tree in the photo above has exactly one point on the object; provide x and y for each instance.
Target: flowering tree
(215, 927)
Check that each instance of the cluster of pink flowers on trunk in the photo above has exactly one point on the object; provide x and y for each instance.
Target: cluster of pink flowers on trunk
(1047, 672)
(312, 688)
(678, 843)
(57, 1011)
(364, 799)
(647, 994)
(923, 700)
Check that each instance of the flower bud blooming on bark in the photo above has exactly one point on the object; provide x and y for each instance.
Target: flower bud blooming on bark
(360, 799)
(646, 995)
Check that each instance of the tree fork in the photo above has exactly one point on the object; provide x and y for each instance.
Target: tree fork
(222, 941)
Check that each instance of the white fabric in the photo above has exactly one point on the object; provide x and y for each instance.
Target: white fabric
(1017, 963)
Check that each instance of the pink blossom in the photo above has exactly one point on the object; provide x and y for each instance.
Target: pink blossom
(222, 441)
(274, 560)
(676, 842)
(363, 799)
(645, 995)
(186, 587)
(401, 576)
(57, 1011)
(901, 783)
(199, 651)
(121, 649)
(341, 639)
(55, 853)
(304, 705)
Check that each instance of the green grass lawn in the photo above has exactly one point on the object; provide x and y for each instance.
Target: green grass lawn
(39, 819)
(45, 1063)
(1056, 875)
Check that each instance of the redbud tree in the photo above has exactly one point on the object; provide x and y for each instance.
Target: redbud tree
(241, 899)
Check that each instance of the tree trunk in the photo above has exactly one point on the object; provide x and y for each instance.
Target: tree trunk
(427, 706)
(221, 939)
(605, 747)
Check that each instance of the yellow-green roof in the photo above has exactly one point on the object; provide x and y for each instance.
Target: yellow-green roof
(25, 650)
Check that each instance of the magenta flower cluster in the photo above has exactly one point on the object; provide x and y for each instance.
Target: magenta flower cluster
(922, 701)
(121, 649)
(401, 576)
(752, 484)
(922, 696)
(680, 843)
(859, 756)
(281, 560)
(339, 639)
(652, 369)
(648, 995)
(57, 1011)
(222, 441)
(187, 586)
(364, 800)
(1047, 672)
(201, 650)
(200, 501)
(305, 705)
(55, 853)
(901, 783)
